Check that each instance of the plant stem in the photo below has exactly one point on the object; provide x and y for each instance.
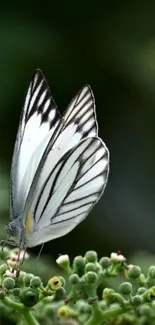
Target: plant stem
(98, 316)
(13, 304)
(115, 311)
(29, 317)
(27, 314)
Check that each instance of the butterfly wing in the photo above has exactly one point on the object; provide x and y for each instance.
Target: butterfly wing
(38, 122)
(69, 192)
(48, 158)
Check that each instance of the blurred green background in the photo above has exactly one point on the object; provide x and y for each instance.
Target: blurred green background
(111, 46)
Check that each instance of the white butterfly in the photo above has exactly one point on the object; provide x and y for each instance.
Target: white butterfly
(60, 166)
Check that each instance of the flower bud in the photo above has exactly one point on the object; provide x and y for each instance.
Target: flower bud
(16, 292)
(4, 253)
(125, 288)
(90, 277)
(91, 256)
(78, 263)
(149, 295)
(152, 272)
(64, 262)
(66, 312)
(74, 279)
(107, 293)
(9, 283)
(141, 290)
(117, 258)
(63, 311)
(63, 281)
(105, 262)
(133, 272)
(3, 268)
(60, 293)
(54, 283)
(110, 296)
(27, 279)
(35, 282)
(116, 298)
(142, 279)
(137, 300)
(29, 297)
(90, 267)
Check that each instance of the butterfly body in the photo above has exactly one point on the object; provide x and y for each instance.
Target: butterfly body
(60, 166)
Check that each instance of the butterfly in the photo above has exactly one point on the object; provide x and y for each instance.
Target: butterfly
(59, 168)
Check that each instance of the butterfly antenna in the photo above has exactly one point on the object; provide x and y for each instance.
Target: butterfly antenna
(23, 258)
(19, 262)
(41, 248)
(21, 248)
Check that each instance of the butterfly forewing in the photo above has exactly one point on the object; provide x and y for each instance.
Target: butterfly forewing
(41, 129)
(81, 111)
(38, 122)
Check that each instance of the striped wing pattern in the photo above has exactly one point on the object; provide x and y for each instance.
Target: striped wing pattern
(38, 121)
(70, 191)
(81, 111)
(42, 129)
(60, 166)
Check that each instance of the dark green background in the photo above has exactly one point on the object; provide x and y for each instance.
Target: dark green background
(111, 46)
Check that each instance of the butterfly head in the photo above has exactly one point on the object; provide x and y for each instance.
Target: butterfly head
(14, 232)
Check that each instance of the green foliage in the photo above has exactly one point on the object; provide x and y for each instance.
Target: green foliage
(85, 300)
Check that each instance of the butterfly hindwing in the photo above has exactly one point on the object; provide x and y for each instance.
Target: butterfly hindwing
(71, 189)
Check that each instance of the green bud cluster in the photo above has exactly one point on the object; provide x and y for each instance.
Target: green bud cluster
(20, 289)
(86, 294)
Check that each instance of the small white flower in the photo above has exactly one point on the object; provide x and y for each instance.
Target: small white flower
(11, 262)
(19, 256)
(14, 256)
(11, 273)
(116, 257)
(62, 259)
(23, 254)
